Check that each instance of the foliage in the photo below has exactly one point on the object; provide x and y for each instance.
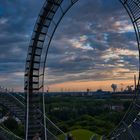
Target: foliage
(82, 134)
(11, 124)
(85, 113)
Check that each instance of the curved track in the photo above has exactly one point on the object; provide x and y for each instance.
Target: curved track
(17, 108)
(15, 103)
(49, 18)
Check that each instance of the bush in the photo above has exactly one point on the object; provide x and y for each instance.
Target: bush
(11, 124)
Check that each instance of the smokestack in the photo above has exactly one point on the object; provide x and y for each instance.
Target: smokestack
(135, 82)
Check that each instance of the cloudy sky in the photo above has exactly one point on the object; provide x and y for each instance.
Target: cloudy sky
(93, 47)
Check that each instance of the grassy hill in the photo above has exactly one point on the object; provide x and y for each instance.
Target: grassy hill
(82, 134)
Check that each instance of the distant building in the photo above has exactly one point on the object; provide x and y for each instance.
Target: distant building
(118, 108)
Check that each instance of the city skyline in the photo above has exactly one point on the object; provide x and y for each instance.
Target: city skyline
(91, 85)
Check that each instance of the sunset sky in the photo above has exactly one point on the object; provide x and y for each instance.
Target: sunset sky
(93, 47)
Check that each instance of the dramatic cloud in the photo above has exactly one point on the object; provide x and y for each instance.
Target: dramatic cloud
(97, 42)
(94, 41)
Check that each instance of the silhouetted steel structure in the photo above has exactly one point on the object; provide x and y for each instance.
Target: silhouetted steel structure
(49, 18)
(15, 104)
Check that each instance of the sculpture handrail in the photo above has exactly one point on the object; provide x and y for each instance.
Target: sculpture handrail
(49, 18)
(9, 134)
(126, 116)
(47, 119)
(16, 99)
(53, 124)
(12, 96)
(47, 130)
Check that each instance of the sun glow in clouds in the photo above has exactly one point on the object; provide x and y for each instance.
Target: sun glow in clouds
(123, 26)
(81, 43)
(117, 53)
(94, 45)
